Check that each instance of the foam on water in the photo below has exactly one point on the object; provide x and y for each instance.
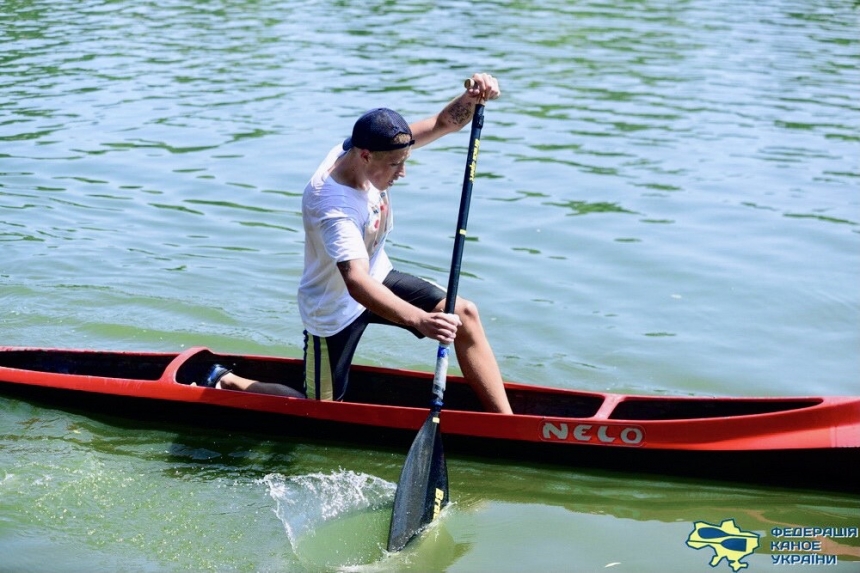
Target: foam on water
(339, 522)
(333, 520)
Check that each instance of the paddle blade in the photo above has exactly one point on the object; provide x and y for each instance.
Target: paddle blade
(422, 491)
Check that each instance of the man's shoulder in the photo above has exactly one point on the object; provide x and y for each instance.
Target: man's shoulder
(327, 198)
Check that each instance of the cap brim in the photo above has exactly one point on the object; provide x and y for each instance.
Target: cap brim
(347, 145)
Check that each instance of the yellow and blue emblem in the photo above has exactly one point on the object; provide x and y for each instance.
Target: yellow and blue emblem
(728, 541)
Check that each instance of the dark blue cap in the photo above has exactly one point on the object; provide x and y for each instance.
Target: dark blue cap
(377, 129)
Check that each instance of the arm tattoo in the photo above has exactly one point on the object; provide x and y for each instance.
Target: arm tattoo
(343, 267)
(460, 113)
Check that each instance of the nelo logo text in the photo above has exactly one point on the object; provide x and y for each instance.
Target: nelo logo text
(601, 434)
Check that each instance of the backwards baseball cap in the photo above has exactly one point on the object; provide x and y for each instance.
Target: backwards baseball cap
(377, 129)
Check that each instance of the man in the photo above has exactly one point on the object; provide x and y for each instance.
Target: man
(348, 280)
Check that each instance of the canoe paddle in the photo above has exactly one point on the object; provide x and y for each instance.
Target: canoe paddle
(422, 490)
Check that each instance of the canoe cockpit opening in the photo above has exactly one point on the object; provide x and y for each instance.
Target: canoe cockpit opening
(688, 409)
(388, 387)
(555, 404)
(194, 368)
(87, 363)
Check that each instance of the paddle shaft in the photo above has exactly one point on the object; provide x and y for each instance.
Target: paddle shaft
(422, 490)
(440, 374)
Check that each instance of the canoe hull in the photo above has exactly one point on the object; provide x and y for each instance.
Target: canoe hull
(809, 442)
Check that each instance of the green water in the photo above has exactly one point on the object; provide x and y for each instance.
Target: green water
(667, 202)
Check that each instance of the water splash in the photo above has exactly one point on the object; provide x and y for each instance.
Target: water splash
(333, 520)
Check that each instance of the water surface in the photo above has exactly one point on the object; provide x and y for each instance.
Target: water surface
(666, 203)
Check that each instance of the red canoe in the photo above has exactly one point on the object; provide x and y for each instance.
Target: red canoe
(793, 441)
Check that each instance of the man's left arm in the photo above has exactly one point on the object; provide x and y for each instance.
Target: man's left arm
(459, 111)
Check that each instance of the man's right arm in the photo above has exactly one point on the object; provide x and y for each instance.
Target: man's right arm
(379, 299)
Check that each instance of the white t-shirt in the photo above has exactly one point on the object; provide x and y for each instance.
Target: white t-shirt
(341, 224)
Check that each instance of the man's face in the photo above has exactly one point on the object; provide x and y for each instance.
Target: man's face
(386, 167)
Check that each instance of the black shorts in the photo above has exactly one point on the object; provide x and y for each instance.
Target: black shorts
(327, 359)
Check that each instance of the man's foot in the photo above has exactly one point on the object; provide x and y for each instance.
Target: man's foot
(215, 374)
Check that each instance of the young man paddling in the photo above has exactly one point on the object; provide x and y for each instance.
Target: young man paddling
(348, 280)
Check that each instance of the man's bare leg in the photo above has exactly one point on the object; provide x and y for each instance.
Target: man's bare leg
(477, 360)
(231, 381)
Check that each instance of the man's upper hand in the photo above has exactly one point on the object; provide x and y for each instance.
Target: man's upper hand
(484, 87)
